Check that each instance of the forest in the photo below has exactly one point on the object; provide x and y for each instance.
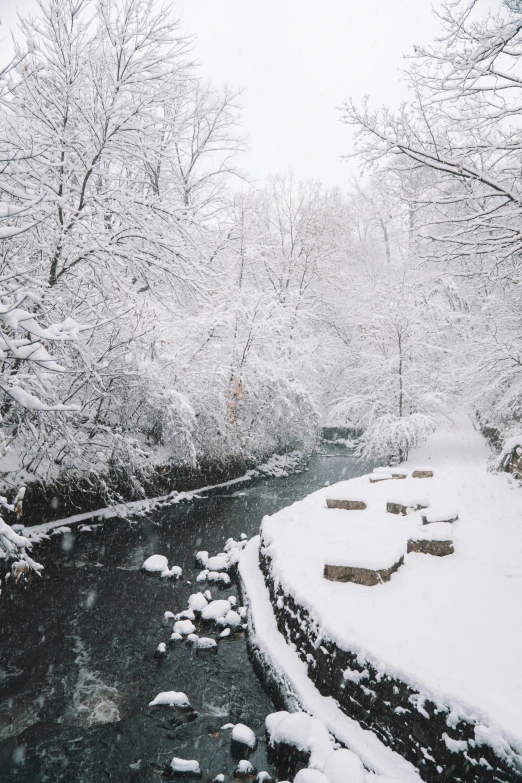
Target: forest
(159, 311)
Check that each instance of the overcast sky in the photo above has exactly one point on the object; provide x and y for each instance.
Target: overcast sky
(297, 60)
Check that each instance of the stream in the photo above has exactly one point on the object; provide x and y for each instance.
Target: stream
(77, 666)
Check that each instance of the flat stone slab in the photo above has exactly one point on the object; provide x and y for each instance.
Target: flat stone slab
(427, 547)
(366, 557)
(439, 514)
(394, 473)
(434, 539)
(348, 505)
(361, 576)
(376, 477)
(422, 472)
(395, 507)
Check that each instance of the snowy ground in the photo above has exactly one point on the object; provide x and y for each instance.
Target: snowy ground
(449, 626)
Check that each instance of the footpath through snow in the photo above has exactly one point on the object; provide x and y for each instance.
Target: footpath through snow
(451, 627)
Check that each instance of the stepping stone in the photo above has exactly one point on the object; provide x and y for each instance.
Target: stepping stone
(394, 473)
(435, 515)
(394, 507)
(361, 576)
(375, 477)
(348, 505)
(437, 540)
(367, 560)
(422, 473)
(436, 548)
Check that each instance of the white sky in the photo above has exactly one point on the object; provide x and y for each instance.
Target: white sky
(297, 60)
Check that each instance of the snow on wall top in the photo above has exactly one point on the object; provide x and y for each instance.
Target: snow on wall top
(450, 626)
(380, 549)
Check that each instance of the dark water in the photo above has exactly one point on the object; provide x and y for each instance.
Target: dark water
(76, 649)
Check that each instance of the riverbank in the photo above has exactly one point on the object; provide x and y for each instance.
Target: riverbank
(277, 466)
(429, 660)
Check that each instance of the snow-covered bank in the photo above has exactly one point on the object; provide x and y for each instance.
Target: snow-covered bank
(292, 674)
(278, 466)
(449, 628)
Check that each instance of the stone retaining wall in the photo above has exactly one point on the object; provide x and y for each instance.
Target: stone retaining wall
(424, 733)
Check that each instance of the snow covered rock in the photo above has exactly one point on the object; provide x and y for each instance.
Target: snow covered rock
(175, 637)
(202, 558)
(232, 544)
(205, 643)
(184, 627)
(244, 768)
(264, 777)
(218, 576)
(215, 609)
(186, 614)
(232, 619)
(161, 650)
(343, 766)
(299, 730)
(172, 573)
(193, 637)
(273, 720)
(183, 766)
(225, 633)
(170, 699)
(155, 564)
(217, 563)
(243, 735)
(312, 776)
(234, 556)
(213, 576)
(197, 602)
(167, 617)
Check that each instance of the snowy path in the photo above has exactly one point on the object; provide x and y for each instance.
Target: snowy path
(450, 626)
